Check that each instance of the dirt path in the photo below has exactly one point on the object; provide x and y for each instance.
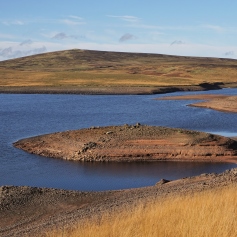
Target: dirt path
(25, 210)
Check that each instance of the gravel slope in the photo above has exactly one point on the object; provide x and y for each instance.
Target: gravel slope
(30, 211)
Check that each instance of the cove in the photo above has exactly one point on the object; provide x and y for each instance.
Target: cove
(30, 115)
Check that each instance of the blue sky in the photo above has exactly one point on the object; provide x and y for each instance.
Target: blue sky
(184, 27)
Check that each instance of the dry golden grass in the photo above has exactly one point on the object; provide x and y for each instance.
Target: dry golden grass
(84, 68)
(211, 213)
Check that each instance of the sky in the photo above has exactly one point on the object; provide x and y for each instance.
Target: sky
(206, 28)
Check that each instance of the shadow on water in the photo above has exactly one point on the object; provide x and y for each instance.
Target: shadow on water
(108, 176)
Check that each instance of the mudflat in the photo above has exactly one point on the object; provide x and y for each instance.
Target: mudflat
(218, 102)
(132, 143)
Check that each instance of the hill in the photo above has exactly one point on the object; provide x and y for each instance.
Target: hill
(88, 71)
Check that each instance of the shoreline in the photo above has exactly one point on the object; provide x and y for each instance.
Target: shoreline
(219, 102)
(31, 211)
(112, 90)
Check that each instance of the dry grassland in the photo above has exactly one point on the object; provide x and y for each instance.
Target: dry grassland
(85, 68)
(210, 213)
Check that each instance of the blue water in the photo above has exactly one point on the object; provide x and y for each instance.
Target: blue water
(30, 115)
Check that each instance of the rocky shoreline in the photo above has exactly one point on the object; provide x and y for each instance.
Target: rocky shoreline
(28, 211)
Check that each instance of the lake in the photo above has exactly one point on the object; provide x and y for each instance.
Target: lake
(24, 115)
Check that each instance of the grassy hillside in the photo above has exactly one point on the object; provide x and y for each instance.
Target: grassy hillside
(85, 68)
(210, 213)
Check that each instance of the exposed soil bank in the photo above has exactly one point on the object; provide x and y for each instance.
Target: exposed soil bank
(30, 211)
(132, 143)
(218, 102)
(111, 90)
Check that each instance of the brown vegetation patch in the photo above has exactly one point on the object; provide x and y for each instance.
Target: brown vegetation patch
(87, 69)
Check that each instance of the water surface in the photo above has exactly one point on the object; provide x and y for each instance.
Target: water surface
(30, 115)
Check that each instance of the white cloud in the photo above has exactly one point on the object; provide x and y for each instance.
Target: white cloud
(131, 19)
(76, 17)
(15, 22)
(10, 52)
(214, 27)
(16, 49)
(71, 22)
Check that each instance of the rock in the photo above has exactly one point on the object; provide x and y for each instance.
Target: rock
(163, 181)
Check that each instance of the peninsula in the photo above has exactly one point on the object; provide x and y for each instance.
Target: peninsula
(132, 143)
(218, 102)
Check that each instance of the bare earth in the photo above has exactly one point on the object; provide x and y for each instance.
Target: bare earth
(218, 102)
(31, 211)
(132, 143)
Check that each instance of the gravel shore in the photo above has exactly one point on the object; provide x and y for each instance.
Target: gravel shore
(31, 211)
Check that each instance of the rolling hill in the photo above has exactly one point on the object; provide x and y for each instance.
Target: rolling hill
(88, 71)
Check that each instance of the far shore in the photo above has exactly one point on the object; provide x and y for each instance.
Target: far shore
(223, 103)
(123, 90)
